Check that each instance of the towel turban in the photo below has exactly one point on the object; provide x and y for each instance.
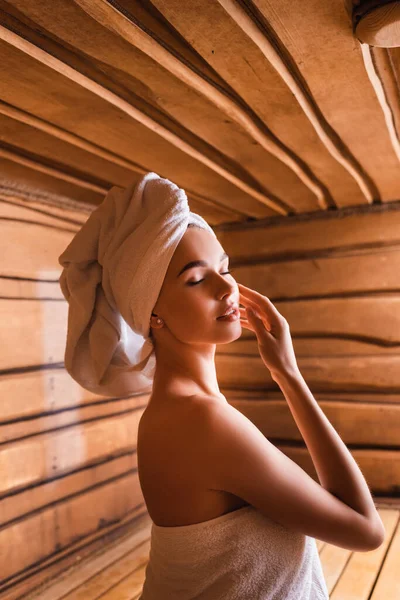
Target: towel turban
(113, 271)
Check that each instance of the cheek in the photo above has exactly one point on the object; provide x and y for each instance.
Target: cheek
(192, 307)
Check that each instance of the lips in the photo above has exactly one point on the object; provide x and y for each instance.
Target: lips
(229, 309)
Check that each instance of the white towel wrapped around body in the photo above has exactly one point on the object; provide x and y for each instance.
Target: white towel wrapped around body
(241, 555)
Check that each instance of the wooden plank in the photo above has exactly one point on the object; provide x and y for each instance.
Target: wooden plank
(324, 280)
(45, 389)
(255, 62)
(92, 577)
(42, 322)
(124, 23)
(221, 64)
(333, 72)
(50, 454)
(378, 424)
(47, 494)
(50, 149)
(388, 584)
(345, 232)
(129, 588)
(239, 394)
(123, 56)
(57, 133)
(20, 429)
(21, 211)
(272, 48)
(391, 502)
(65, 211)
(348, 318)
(323, 344)
(62, 172)
(164, 130)
(30, 257)
(18, 289)
(271, 416)
(363, 569)
(38, 575)
(33, 178)
(381, 468)
(333, 561)
(130, 565)
(333, 374)
(33, 539)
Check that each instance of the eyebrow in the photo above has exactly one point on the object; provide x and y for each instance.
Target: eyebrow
(199, 263)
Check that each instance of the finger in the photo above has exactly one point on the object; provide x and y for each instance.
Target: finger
(259, 309)
(259, 324)
(245, 299)
(247, 325)
(248, 302)
(244, 313)
(251, 295)
(244, 320)
(257, 317)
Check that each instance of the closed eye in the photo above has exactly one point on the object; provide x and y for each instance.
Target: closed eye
(200, 280)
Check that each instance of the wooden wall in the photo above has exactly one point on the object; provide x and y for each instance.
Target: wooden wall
(68, 457)
(334, 277)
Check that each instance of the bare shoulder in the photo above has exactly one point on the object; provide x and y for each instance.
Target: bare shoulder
(183, 416)
(245, 463)
(208, 412)
(216, 415)
(202, 418)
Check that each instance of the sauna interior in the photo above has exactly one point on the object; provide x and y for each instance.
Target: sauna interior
(281, 121)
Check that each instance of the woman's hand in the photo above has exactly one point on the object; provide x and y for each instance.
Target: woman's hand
(272, 331)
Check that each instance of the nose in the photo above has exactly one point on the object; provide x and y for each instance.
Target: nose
(230, 288)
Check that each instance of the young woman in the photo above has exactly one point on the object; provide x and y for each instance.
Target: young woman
(233, 517)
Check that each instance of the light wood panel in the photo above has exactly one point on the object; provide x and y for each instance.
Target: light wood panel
(38, 575)
(337, 77)
(291, 149)
(287, 146)
(64, 452)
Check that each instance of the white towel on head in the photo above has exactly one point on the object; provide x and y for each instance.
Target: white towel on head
(114, 269)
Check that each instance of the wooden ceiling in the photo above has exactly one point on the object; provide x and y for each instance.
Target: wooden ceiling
(258, 109)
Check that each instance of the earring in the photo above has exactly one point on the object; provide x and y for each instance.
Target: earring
(158, 320)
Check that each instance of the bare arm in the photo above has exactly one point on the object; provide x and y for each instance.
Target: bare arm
(337, 470)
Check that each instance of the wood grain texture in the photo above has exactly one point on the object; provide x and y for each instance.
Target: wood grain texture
(59, 35)
(289, 147)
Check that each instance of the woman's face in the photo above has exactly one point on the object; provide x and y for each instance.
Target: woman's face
(190, 301)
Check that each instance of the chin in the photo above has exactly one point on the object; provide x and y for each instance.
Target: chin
(230, 336)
